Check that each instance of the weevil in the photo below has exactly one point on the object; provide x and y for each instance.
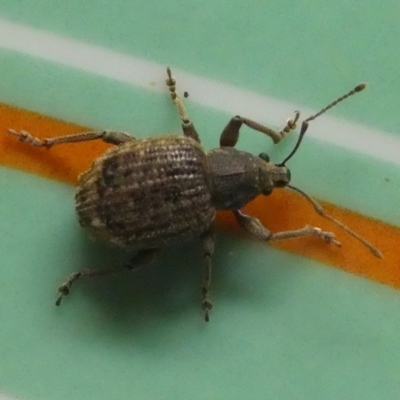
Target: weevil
(145, 194)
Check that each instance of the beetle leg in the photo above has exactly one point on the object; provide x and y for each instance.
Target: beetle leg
(187, 125)
(230, 134)
(142, 258)
(208, 246)
(254, 227)
(107, 136)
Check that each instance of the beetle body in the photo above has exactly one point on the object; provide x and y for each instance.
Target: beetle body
(150, 193)
(155, 192)
(146, 193)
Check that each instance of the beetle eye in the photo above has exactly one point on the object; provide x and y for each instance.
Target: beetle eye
(281, 183)
(267, 191)
(264, 156)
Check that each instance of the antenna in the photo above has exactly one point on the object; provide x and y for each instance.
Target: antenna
(318, 208)
(357, 89)
(304, 125)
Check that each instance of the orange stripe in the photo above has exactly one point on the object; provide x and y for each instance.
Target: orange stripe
(281, 211)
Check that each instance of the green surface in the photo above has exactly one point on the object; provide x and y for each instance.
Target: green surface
(283, 327)
(344, 177)
(293, 50)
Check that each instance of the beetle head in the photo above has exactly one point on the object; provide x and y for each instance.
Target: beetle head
(272, 175)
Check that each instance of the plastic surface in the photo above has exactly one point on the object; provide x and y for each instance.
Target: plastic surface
(283, 326)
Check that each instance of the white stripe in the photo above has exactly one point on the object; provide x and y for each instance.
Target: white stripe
(4, 397)
(224, 97)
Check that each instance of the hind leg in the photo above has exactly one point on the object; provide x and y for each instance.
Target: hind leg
(112, 137)
(142, 258)
(208, 247)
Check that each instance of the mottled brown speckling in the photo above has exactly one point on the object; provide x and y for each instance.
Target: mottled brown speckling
(147, 193)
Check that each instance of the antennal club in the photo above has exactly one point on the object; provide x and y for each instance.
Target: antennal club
(304, 125)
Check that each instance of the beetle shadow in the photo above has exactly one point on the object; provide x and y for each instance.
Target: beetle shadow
(157, 290)
(167, 289)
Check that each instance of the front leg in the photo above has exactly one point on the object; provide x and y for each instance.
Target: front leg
(112, 137)
(230, 134)
(254, 227)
